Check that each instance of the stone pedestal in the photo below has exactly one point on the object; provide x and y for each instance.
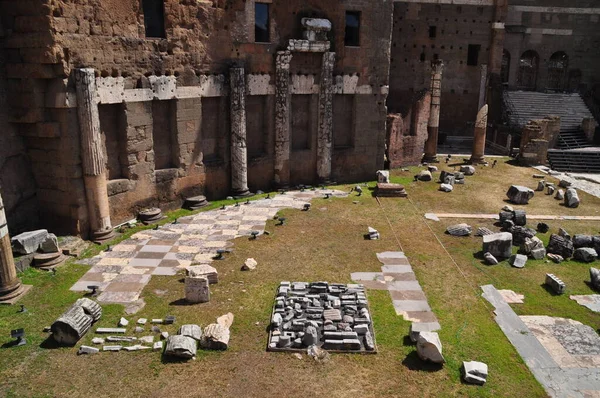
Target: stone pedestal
(283, 100)
(92, 155)
(10, 285)
(430, 155)
(196, 289)
(325, 133)
(239, 149)
(477, 155)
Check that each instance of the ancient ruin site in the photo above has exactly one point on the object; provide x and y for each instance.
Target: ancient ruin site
(269, 198)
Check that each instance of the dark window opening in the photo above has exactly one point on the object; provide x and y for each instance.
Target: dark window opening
(261, 23)
(422, 58)
(154, 18)
(352, 37)
(473, 54)
(432, 31)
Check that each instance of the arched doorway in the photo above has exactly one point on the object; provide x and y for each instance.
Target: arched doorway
(557, 70)
(505, 67)
(528, 68)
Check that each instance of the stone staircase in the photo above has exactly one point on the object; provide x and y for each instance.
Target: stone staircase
(575, 160)
(574, 139)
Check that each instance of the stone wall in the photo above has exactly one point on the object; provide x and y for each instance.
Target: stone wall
(164, 102)
(406, 134)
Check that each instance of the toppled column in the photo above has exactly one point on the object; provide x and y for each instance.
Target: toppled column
(10, 285)
(239, 148)
(325, 133)
(283, 108)
(434, 113)
(92, 154)
(477, 156)
(76, 321)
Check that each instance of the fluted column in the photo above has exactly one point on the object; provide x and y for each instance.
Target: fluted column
(325, 133)
(430, 155)
(239, 149)
(477, 155)
(10, 285)
(92, 154)
(283, 109)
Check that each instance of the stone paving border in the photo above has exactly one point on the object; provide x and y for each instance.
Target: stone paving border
(122, 273)
(398, 278)
(577, 380)
(432, 216)
(591, 301)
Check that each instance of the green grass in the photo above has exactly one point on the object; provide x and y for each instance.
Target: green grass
(325, 243)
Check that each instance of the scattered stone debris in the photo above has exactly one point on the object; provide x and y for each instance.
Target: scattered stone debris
(532, 244)
(499, 245)
(519, 194)
(432, 217)
(383, 176)
(28, 242)
(197, 289)
(181, 346)
(97, 340)
(459, 230)
(585, 254)
(511, 297)
(142, 321)
(520, 217)
(517, 260)
(595, 278)
(482, 231)
(542, 227)
(249, 265)
(50, 244)
(563, 232)
(432, 168)
(305, 311)
(489, 258)
(318, 354)
(112, 348)
(539, 176)
(390, 190)
(555, 283)
(373, 233)
(520, 233)
(75, 321)
(424, 175)
(560, 245)
(204, 270)
(590, 301)
(123, 322)
(416, 328)
(215, 337)
(550, 190)
(193, 331)
(467, 170)
(111, 330)
(560, 194)
(564, 184)
(429, 347)
(541, 185)
(555, 258)
(446, 187)
(475, 372)
(571, 198)
(158, 346)
(508, 208)
(84, 349)
(580, 240)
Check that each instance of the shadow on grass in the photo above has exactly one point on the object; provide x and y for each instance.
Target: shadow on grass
(407, 342)
(413, 362)
(50, 344)
(182, 303)
(549, 290)
(167, 359)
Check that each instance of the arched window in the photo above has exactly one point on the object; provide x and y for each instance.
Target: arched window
(505, 69)
(528, 68)
(557, 70)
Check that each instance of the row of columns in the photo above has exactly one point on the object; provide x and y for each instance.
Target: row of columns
(479, 134)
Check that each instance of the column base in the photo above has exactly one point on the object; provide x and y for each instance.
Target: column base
(15, 295)
(430, 159)
(102, 235)
(241, 194)
(477, 160)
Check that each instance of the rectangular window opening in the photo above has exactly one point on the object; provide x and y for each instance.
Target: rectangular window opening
(432, 32)
(154, 18)
(261, 23)
(473, 54)
(352, 36)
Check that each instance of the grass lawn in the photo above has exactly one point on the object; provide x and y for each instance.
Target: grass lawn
(325, 243)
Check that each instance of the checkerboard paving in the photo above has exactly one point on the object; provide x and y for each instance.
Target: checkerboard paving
(398, 278)
(122, 273)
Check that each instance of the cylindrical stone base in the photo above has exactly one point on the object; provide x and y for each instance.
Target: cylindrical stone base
(10, 285)
(99, 211)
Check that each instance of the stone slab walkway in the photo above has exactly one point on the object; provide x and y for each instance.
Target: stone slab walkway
(432, 216)
(562, 354)
(591, 301)
(122, 273)
(398, 278)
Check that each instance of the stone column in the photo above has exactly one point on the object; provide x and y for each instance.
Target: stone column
(482, 84)
(477, 155)
(283, 101)
(434, 113)
(10, 285)
(93, 162)
(239, 149)
(325, 133)
(588, 125)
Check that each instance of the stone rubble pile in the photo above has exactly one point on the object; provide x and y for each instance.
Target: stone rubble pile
(519, 194)
(331, 316)
(373, 234)
(459, 230)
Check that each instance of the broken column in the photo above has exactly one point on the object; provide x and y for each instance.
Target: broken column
(434, 113)
(92, 154)
(283, 108)
(477, 155)
(10, 285)
(325, 133)
(239, 150)
(75, 321)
